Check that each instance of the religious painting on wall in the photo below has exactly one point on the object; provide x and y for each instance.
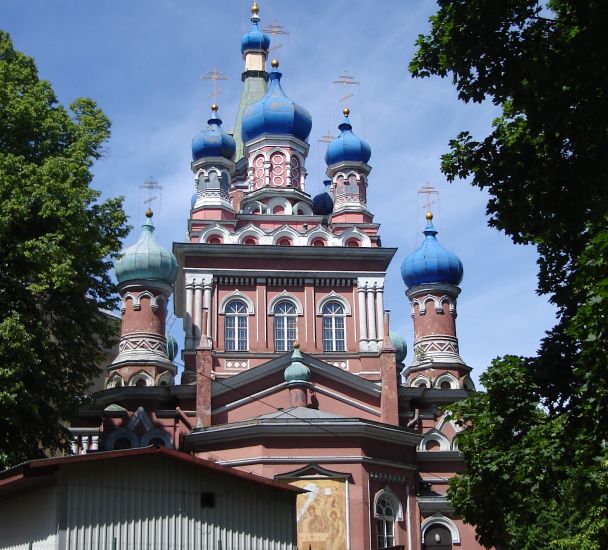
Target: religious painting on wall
(321, 514)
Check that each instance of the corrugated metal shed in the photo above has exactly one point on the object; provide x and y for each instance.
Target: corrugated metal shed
(145, 499)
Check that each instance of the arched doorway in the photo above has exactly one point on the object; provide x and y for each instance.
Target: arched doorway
(437, 537)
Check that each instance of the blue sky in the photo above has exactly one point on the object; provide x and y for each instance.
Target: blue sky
(142, 62)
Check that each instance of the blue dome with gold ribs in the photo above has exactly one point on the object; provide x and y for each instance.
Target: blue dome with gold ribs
(146, 259)
(276, 114)
(431, 263)
(213, 142)
(347, 146)
(255, 39)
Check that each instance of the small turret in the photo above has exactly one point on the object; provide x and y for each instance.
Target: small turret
(432, 274)
(145, 273)
(347, 157)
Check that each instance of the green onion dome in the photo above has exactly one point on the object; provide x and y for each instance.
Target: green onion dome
(146, 259)
(297, 371)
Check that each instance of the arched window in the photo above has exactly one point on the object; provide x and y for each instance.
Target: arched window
(437, 537)
(235, 327)
(214, 239)
(249, 241)
(318, 242)
(385, 522)
(353, 243)
(333, 327)
(284, 241)
(284, 325)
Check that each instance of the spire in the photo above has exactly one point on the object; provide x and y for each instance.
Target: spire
(254, 47)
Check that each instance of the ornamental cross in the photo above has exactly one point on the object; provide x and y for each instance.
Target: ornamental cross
(428, 191)
(214, 75)
(346, 80)
(151, 185)
(275, 30)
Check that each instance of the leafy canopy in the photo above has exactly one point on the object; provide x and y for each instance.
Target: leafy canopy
(57, 242)
(535, 441)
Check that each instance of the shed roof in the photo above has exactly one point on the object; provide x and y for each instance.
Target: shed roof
(33, 471)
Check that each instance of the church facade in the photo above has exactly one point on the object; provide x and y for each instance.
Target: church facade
(291, 371)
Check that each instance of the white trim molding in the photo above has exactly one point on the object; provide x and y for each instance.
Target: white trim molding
(434, 435)
(333, 297)
(141, 375)
(285, 296)
(439, 519)
(395, 500)
(447, 377)
(236, 295)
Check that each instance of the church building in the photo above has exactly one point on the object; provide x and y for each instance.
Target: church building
(291, 371)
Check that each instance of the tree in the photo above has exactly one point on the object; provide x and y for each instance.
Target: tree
(545, 64)
(57, 242)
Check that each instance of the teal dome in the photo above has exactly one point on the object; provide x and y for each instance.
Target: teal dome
(146, 259)
(400, 346)
(297, 371)
(171, 347)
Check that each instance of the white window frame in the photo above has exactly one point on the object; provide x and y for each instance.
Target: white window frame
(240, 317)
(285, 319)
(333, 318)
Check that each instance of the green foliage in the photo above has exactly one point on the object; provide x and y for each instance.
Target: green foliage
(541, 482)
(57, 242)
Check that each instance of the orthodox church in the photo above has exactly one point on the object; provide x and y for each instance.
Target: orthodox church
(291, 371)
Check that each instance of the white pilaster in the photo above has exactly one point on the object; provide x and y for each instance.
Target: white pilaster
(362, 318)
(207, 306)
(371, 317)
(380, 314)
(198, 311)
(188, 318)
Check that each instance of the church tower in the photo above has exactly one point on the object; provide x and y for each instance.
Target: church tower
(267, 264)
(254, 47)
(145, 274)
(432, 275)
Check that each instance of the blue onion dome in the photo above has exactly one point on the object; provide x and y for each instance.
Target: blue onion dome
(275, 113)
(323, 204)
(347, 146)
(430, 262)
(400, 346)
(255, 39)
(213, 142)
(146, 259)
(297, 371)
(171, 347)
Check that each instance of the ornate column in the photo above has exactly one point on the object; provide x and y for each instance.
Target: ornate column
(371, 317)
(362, 317)
(207, 305)
(198, 312)
(188, 319)
(380, 313)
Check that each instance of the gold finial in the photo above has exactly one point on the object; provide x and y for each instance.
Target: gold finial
(275, 63)
(296, 345)
(429, 215)
(214, 107)
(255, 9)
(149, 213)
(346, 111)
